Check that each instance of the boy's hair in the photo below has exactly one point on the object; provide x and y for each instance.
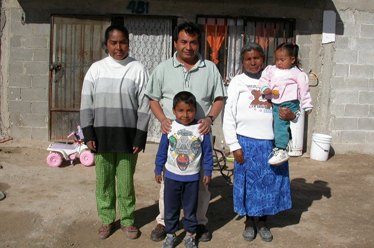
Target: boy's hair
(293, 50)
(186, 97)
(190, 28)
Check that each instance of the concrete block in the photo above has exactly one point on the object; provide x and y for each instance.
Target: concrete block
(349, 83)
(336, 136)
(345, 56)
(345, 123)
(366, 124)
(366, 57)
(19, 107)
(367, 31)
(341, 70)
(347, 16)
(364, 44)
(42, 30)
(34, 94)
(20, 81)
(40, 68)
(361, 71)
(14, 94)
(16, 67)
(33, 120)
(337, 110)
(371, 111)
(41, 55)
(15, 41)
(15, 14)
(342, 43)
(40, 108)
(369, 138)
(366, 97)
(20, 132)
(17, 28)
(36, 42)
(345, 97)
(356, 110)
(352, 136)
(16, 119)
(40, 81)
(20, 54)
(363, 17)
(40, 134)
(351, 30)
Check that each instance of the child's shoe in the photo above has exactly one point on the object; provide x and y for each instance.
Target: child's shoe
(169, 241)
(279, 157)
(189, 241)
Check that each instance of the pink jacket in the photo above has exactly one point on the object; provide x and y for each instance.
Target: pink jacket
(292, 84)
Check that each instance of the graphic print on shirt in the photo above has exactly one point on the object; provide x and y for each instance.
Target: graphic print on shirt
(184, 147)
(259, 103)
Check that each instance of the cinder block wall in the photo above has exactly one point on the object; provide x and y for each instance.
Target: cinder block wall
(26, 76)
(352, 81)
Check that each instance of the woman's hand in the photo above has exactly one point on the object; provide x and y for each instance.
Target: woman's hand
(204, 126)
(238, 156)
(91, 145)
(166, 126)
(286, 114)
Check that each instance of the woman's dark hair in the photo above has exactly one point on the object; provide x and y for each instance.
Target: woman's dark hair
(111, 28)
(292, 50)
(186, 97)
(249, 47)
(190, 28)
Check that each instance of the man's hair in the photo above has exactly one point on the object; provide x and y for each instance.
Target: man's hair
(186, 97)
(190, 28)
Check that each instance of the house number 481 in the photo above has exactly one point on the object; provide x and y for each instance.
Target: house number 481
(138, 7)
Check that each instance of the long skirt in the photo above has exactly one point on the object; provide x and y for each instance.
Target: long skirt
(259, 188)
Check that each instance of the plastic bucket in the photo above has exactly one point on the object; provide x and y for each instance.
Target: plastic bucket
(320, 146)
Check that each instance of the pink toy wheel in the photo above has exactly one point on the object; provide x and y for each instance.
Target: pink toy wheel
(87, 158)
(54, 159)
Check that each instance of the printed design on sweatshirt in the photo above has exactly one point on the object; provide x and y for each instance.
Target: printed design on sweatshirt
(259, 103)
(184, 147)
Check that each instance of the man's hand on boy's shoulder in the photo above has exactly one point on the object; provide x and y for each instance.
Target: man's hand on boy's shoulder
(158, 178)
(206, 180)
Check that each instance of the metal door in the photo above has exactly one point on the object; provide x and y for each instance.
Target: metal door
(76, 42)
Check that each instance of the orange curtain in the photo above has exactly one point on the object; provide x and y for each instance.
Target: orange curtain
(215, 37)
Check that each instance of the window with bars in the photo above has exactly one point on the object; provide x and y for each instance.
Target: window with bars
(223, 38)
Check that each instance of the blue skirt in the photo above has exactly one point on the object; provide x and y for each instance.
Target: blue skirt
(259, 188)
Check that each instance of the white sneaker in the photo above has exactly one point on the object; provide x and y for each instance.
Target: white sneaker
(279, 157)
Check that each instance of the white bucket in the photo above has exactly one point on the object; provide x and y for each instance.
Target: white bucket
(320, 146)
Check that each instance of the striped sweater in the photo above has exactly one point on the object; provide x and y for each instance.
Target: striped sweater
(114, 110)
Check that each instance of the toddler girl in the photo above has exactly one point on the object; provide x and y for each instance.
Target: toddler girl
(290, 87)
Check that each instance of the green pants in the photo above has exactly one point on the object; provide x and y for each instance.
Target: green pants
(108, 167)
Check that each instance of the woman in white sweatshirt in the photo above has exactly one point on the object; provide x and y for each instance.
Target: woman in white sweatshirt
(259, 188)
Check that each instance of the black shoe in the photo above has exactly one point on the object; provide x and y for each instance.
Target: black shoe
(203, 233)
(158, 233)
(265, 234)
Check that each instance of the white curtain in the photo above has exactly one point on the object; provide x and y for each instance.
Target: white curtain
(150, 43)
(234, 45)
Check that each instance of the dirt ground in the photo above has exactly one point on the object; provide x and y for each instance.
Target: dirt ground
(55, 207)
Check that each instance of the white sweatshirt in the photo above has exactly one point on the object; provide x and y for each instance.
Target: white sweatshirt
(246, 112)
